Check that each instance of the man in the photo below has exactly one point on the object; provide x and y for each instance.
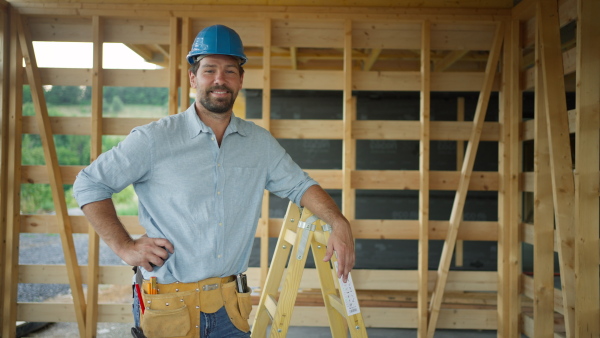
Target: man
(200, 177)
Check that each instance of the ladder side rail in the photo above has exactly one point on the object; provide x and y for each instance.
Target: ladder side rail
(276, 270)
(291, 284)
(337, 322)
(355, 322)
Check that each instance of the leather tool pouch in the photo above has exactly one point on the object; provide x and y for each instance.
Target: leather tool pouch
(169, 314)
(175, 310)
(238, 306)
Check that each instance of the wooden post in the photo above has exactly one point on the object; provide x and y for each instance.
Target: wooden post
(586, 167)
(348, 143)
(96, 150)
(174, 62)
(461, 192)
(266, 123)
(186, 42)
(563, 186)
(424, 154)
(13, 186)
(509, 253)
(512, 242)
(56, 181)
(543, 222)
(460, 157)
(4, 142)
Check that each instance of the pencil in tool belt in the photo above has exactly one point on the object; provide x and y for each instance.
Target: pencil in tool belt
(153, 286)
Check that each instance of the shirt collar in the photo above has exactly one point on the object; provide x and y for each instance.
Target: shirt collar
(196, 126)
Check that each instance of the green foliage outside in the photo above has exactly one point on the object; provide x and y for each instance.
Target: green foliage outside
(75, 149)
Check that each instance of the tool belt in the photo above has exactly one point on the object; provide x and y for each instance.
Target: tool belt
(175, 310)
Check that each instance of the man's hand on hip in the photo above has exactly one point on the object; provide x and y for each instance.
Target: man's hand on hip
(146, 252)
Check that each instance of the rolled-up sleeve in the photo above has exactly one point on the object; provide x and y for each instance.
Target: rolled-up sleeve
(285, 178)
(129, 162)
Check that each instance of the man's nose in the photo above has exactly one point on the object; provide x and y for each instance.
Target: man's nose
(220, 77)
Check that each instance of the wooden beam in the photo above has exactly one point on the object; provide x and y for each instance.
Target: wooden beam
(543, 213)
(164, 50)
(281, 79)
(95, 151)
(384, 317)
(467, 168)
(174, 63)
(13, 187)
(560, 152)
(364, 279)
(424, 160)
(370, 61)
(587, 180)
(266, 123)
(56, 184)
(142, 51)
(448, 60)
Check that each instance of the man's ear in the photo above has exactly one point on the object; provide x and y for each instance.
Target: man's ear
(192, 79)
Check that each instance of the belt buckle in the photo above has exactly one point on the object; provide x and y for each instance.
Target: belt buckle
(209, 287)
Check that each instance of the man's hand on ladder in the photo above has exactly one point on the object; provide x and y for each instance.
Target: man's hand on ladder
(342, 243)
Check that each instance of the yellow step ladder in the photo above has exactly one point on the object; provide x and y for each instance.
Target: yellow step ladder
(301, 230)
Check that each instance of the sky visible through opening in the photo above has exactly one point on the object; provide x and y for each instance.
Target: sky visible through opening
(80, 55)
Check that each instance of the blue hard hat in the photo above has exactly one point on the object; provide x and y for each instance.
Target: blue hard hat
(217, 39)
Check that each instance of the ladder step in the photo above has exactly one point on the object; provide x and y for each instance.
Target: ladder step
(336, 302)
(290, 237)
(271, 306)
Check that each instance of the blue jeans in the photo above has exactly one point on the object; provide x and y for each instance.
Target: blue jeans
(212, 325)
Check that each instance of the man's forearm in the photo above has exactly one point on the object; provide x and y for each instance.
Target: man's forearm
(341, 240)
(103, 218)
(323, 206)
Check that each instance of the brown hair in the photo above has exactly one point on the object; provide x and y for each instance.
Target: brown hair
(194, 68)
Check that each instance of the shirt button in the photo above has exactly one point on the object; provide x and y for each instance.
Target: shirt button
(218, 193)
(212, 138)
(219, 256)
(218, 164)
(220, 224)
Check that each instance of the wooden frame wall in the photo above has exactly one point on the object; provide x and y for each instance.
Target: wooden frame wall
(416, 29)
(565, 210)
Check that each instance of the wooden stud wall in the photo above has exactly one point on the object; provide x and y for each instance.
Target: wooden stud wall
(555, 182)
(460, 299)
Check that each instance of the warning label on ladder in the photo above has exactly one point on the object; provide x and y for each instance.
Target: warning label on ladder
(349, 295)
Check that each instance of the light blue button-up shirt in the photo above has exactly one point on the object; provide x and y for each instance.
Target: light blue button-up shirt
(203, 198)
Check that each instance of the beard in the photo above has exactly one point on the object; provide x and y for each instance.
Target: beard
(218, 105)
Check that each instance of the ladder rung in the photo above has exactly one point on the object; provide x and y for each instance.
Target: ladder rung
(336, 302)
(271, 306)
(290, 237)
